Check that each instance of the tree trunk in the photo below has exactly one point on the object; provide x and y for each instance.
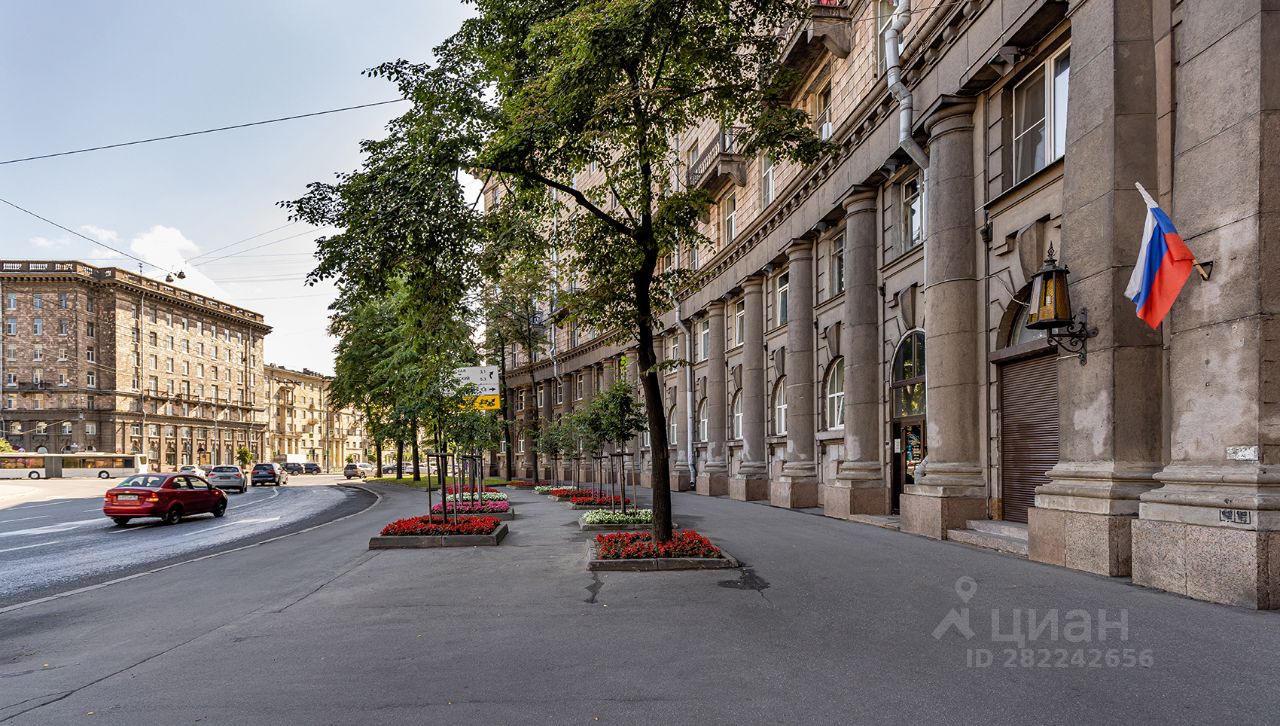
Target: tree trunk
(416, 459)
(400, 458)
(651, 385)
(503, 401)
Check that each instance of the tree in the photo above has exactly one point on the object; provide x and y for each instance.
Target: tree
(619, 417)
(527, 94)
(243, 456)
(5, 446)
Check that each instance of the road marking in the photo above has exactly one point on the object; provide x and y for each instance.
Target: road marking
(50, 529)
(27, 547)
(23, 519)
(274, 493)
(33, 506)
(136, 575)
(259, 520)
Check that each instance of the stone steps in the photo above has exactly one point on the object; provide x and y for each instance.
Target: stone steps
(1008, 537)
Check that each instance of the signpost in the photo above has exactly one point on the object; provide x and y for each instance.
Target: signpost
(485, 381)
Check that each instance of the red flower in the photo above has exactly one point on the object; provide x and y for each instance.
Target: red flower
(640, 545)
(594, 500)
(435, 526)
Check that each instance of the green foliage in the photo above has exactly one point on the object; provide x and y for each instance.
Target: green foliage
(473, 431)
(244, 457)
(5, 446)
(618, 414)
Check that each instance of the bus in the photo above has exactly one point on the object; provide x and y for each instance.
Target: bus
(49, 466)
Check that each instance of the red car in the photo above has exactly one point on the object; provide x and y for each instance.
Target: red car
(167, 496)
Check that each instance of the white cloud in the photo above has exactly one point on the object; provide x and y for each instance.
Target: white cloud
(100, 234)
(168, 249)
(45, 243)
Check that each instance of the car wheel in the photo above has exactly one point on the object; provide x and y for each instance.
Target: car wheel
(104, 475)
(173, 516)
(33, 475)
(220, 508)
(120, 521)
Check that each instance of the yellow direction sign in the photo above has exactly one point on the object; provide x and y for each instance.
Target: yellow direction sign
(485, 403)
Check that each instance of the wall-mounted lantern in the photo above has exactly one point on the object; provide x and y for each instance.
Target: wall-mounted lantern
(1050, 310)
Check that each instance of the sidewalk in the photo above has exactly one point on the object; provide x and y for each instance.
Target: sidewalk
(827, 622)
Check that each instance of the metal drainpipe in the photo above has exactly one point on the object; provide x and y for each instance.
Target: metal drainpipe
(893, 72)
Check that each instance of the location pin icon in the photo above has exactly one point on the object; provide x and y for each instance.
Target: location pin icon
(966, 588)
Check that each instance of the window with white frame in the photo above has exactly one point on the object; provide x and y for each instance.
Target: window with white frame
(781, 285)
(37, 326)
(702, 421)
(704, 341)
(559, 391)
(729, 217)
(768, 190)
(11, 301)
(739, 322)
(582, 386)
(541, 396)
(836, 267)
(1040, 115)
(780, 407)
(884, 16)
(834, 386)
(735, 412)
(11, 326)
(822, 112)
(673, 434)
(91, 379)
(912, 215)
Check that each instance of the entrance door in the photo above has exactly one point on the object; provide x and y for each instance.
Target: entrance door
(908, 442)
(1028, 431)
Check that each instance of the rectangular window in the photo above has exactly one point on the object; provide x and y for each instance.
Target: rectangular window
(91, 379)
(729, 230)
(837, 266)
(704, 345)
(37, 301)
(91, 330)
(11, 326)
(63, 301)
(88, 304)
(37, 376)
(64, 327)
(781, 285)
(11, 352)
(912, 215)
(884, 16)
(37, 326)
(767, 190)
(62, 377)
(739, 322)
(1040, 116)
(541, 399)
(822, 112)
(11, 379)
(90, 355)
(37, 353)
(90, 428)
(11, 301)
(559, 391)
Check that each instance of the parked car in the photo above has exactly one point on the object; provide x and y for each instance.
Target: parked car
(310, 468)
(357, 469)
(264, 474)
(293, 468)
(167, 496)
(196, 469)
(228, 477)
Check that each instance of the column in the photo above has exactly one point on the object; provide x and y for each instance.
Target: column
(798, 484)
(680, 462)
(752, 479)
(860, 484)
(1212, 531)
(952, 489)
(713, 480)
(1110, 437)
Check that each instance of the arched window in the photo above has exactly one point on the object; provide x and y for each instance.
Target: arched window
(908, 376)
(674, 431)
(780, 407)
(736, 413)
(702, 420)
(834, 388)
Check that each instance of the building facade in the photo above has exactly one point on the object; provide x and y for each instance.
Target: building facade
(858, 341)
(305, 426)
(103, 359)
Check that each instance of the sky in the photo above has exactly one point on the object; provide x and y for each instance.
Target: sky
(82, 73)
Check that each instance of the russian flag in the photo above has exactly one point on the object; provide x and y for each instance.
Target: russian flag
(1164, 264)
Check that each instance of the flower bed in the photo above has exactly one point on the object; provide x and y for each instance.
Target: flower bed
(436, 526)
(523, 484)
(474, 508)
(640, 545)
(562, 491)
(604, 516)
(453, 489)
(471, 497)
(594, 500)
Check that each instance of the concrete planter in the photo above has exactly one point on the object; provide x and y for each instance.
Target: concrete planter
(655, 564)
(618, 527)
(448, 540)
(594, 506)
(506, 516)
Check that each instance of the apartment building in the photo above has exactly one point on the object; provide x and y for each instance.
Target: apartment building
(304, 426)
(104, 359)
(859, 340)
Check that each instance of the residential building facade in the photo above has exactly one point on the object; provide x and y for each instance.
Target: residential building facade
(304, 426)
(103, 359)
(858, 340)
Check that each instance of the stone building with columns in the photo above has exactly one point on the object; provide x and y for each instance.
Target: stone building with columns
(858, 341)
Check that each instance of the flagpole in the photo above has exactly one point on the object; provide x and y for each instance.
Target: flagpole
(1204, 275)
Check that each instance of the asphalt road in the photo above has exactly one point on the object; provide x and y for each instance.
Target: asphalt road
(52, 544)
(828, 622)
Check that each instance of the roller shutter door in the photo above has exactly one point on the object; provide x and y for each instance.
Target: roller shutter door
(1028, 431)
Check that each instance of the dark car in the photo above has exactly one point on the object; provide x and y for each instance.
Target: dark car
(310, 468)
(264, 474)
(167, 496)
(293, 468)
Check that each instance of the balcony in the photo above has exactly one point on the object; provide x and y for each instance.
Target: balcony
(720, 161)
(828, 27)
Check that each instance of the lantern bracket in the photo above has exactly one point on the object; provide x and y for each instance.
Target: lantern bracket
(1075, 337)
